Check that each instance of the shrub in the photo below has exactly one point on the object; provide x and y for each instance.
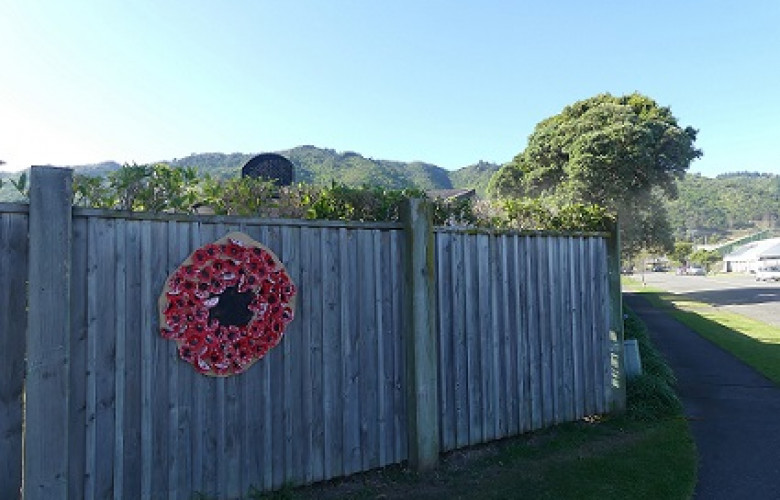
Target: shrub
(162, 188)
(650, 395)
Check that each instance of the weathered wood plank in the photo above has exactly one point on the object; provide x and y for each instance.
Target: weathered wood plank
(332, 396)
(48, 335)
(388, 344)
(473, 340)
(460, 344)
(173, 259)
(554, 349)
(494, 335)
(485, 339)
(77, 425)
(297, 437)
(444, 295)
(508, 338)
(521, 357)
(120, 337)
(160, 357)
(535, 328)
(101, 367)
(300, 333)
(576, 327)
(367, 351)
(399, 353)
(180, 244)
(589, 327)
(310, 289)
(566, 331)
(350, 352)
(131, 420)
(13, 327)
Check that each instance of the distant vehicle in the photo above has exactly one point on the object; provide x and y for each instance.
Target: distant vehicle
(771, 273)
(694, 271)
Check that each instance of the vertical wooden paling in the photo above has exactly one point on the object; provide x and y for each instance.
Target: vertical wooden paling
(13, 324)
(444, 299)
(77, 427)
(460, 340)
(131, 422)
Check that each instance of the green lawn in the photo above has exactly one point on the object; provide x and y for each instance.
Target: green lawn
(615, 459)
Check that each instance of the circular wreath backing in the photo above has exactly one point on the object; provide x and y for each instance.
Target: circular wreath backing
(227, 305)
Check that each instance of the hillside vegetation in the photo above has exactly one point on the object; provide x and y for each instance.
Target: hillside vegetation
(321, 166)
(730, 203)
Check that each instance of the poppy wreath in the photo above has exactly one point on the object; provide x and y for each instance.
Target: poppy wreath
(227, 305)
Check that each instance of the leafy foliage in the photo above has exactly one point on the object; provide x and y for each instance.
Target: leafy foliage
(16, 189)
(682, 250)
(651, 395)
(705, 258)
(537, 213)
(475, 177)
(618, 152)
(162, 188)
(729, 202)
(153, 188)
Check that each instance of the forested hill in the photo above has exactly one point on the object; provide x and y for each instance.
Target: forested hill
(735, 201)
(323, 166)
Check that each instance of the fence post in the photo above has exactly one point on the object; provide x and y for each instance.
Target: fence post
(45, 451)
(617, 359)
(422, 397)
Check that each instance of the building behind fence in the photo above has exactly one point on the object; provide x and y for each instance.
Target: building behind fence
(521, 335)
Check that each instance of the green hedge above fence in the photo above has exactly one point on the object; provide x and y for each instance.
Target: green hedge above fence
(162, 188)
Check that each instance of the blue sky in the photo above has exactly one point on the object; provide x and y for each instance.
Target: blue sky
(446, 82)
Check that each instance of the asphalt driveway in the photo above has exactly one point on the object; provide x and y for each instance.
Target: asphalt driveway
(734, 411)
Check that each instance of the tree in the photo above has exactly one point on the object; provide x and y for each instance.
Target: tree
(682, 249)
(705, 257)
(625, 153)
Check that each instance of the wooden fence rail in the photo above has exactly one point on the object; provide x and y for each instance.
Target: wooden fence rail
(391, 357)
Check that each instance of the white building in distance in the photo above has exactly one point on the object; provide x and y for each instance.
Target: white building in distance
(752, 256)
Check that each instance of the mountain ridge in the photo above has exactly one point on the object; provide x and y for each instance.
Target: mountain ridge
(322, 166)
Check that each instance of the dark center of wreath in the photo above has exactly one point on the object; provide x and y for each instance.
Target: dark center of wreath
(232, 308)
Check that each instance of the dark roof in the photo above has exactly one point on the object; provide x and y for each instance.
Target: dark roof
(451, 194)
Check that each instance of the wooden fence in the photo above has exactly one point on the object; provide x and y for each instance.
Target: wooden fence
(520, 335)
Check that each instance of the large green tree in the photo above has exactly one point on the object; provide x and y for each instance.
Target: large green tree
(622, 152)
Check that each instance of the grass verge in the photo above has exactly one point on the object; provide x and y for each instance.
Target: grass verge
(646, 453)
(754, 342)
(614, 459)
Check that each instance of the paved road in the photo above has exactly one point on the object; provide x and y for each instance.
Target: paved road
(737, 293)
(734, 411)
